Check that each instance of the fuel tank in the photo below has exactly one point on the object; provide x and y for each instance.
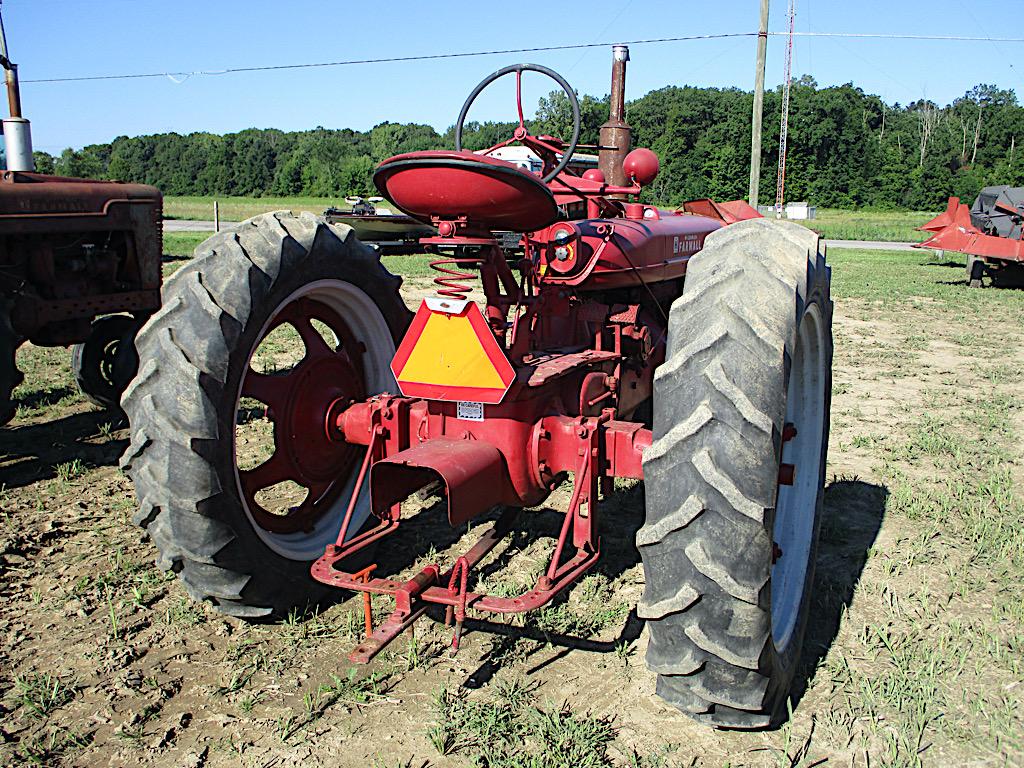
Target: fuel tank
(648, 245)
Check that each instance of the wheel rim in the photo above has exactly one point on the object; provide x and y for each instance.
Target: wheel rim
(796, 504)
(105, 367)
(303, 463)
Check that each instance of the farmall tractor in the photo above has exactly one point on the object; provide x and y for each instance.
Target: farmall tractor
(73, 252)
(608, 306)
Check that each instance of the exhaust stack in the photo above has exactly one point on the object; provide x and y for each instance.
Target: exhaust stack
(17, 130)
(616, 135)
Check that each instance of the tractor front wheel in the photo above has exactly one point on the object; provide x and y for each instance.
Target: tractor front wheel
(106, 361)
(735, 474)
(239, 485)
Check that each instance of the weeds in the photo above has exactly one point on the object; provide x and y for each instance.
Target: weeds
(510, 730)
(41, 693)
(51, 747)
(70, 470)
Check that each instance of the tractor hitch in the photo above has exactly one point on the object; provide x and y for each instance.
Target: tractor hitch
(475, 478)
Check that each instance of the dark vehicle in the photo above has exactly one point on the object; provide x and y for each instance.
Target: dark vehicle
(79, 265)
(379, 227)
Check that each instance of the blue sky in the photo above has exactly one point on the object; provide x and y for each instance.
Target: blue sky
(53, 38)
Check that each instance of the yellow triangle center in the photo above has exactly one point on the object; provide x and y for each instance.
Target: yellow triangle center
(448, 353)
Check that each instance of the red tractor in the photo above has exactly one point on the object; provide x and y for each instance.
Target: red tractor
(617, 340)
(72, 253)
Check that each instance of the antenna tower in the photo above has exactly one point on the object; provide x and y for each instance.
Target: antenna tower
(780, 188)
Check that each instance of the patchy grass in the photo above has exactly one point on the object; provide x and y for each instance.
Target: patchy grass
(509, 730)
(38, 694)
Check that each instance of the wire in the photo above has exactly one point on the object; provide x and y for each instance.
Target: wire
(388, 60)
(176, 76)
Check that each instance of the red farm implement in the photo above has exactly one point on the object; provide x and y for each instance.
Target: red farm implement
(690, 348)
(989, 233)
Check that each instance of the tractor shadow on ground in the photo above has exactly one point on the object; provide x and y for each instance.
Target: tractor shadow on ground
(33, 452)
(851, 519)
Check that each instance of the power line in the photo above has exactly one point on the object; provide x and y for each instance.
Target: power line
(466, 54)
(391, 59)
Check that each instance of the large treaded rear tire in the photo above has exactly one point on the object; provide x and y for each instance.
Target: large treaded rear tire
(712, 474)
(10, 376)
(182, 405)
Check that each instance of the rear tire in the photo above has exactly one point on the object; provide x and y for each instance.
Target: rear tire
(749, 349)
(10, 376)
(106, 361)
(195, 355)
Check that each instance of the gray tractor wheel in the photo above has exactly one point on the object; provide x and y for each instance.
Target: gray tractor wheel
(10, 376)
(728, 547)
(211, 518)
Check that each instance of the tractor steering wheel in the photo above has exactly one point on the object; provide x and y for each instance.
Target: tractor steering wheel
(521, 133)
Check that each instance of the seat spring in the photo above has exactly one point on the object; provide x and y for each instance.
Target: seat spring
(452, 284)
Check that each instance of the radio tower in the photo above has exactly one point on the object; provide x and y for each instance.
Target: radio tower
(780, 188)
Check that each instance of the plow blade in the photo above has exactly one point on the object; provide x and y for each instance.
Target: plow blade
(969, 240)
(953, 231)
(947, 217)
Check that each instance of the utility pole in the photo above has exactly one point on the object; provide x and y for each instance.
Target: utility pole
(755, 130)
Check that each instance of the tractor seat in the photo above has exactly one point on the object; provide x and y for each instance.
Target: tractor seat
(491, 194)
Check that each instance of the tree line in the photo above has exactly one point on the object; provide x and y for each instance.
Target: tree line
(847, 148)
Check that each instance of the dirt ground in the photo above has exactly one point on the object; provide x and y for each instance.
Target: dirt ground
(915, 653)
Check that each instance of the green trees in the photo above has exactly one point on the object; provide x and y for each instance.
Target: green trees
(846, 148)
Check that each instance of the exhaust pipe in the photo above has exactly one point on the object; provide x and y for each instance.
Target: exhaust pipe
(17, 130)
(616, 135)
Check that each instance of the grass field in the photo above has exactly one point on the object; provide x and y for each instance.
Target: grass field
(887, 226)
(240, 208)
(914, 657)
(832, 223)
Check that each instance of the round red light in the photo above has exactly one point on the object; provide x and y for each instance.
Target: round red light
(641, 165)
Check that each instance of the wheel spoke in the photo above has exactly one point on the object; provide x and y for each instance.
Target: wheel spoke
(268, 389)
(315, 344)
(274, 470)
(317, 488)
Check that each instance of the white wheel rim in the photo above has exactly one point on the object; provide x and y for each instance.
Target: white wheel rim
(368, 325)
(796, 504)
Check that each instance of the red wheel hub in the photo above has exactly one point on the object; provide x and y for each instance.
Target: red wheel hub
(298, 402)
